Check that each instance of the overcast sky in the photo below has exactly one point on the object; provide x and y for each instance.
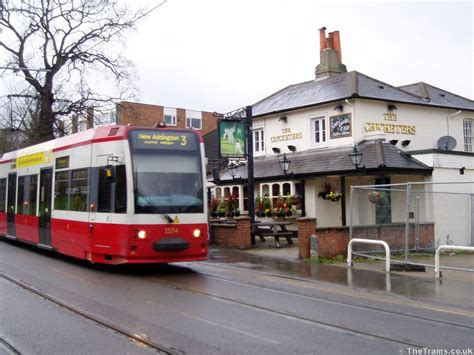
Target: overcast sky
(218, 55)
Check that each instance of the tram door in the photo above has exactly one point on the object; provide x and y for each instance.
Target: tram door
(46, 182)
(11, 197)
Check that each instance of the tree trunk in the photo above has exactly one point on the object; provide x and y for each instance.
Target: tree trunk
(46, 118)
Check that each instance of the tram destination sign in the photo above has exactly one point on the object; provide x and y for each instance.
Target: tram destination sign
(165, 140)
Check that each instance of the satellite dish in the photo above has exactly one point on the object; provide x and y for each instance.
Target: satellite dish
(446, 143)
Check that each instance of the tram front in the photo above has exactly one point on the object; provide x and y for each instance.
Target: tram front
(170, 209)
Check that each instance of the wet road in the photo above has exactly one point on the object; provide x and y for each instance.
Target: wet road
(198, 308)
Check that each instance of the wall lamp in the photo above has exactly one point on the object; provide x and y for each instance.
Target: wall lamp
(356, 157)
(232, 169)
(391, 107)
(405, 142)
(461, 171)
(285, 165)
(291, 148)
(276, 150)
(283, 118)
(339, 108)
(393, 141)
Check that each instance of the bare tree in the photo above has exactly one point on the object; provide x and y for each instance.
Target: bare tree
(61, 47)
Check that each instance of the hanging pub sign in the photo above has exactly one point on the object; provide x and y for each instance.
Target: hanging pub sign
(340, 126)
(231, 139)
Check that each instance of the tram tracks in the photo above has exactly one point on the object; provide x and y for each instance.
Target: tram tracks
(352, 305)
(324, 324)
(399, 341)
(135, 338)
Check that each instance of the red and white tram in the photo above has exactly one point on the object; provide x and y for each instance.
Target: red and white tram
(114, 195)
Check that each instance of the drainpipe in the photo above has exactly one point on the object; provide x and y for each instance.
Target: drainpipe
(353, 120)
(451, 116)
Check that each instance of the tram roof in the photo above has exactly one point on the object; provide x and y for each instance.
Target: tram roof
(93, 135)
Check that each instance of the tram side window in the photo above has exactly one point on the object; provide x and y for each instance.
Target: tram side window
(3, 194)
(20, 199)
(27, 190)
(33, 195)
(120, 189)
(79, 190)
(61, 191)
(105, 192)
(119, 192)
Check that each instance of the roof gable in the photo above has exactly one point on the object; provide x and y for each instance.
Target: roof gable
(353, 84)
(438, 97)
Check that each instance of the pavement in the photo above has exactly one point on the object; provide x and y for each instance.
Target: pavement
(454, 288)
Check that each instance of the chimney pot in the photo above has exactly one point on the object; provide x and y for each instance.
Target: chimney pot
(330, 54)
(322, 38)
(337, 45)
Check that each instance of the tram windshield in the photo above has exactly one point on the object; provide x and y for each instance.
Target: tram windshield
(167, 172)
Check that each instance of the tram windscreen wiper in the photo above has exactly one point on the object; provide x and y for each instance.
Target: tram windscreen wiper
(167, 217)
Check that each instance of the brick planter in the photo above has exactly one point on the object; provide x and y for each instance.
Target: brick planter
(333, 241)
(306, 228)
(233, 235)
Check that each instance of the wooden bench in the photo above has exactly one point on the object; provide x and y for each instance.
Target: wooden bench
(262, 233)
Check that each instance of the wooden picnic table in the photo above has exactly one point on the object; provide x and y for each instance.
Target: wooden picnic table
(275, 229)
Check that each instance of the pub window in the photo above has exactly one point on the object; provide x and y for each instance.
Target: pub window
(246, 198)
(79, 190)
(20, 201)
(258, 140)
(3, 194)
(275, 193)
(319, 130)
(61, 191)
(468, 135)
(120, 189)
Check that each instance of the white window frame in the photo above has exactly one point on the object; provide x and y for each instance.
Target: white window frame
(258, 141)
(193, 117)
(270, 185)
(323, 136)
(170, 112)
(468, 133)
(222, 192)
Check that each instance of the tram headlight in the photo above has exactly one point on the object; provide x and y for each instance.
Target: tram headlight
(141, 234)
(197, 233)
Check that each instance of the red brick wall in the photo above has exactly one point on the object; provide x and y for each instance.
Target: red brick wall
(237, 236)
(306, 228)
(147, 115)
(139, 114)
(333, 241)
(394, 235)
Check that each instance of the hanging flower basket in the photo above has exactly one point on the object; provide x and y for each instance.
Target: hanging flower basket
(331, 195)
(377, 196)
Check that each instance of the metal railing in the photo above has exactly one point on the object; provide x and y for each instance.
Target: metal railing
(369, 241)
(450, 247)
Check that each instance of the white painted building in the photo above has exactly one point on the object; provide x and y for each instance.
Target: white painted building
(401, 132)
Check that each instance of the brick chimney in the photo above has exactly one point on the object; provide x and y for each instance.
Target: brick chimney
(330, 54)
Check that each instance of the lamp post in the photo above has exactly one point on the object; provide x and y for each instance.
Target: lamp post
(356, 158)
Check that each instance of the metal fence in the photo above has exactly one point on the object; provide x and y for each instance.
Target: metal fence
(414, 218)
